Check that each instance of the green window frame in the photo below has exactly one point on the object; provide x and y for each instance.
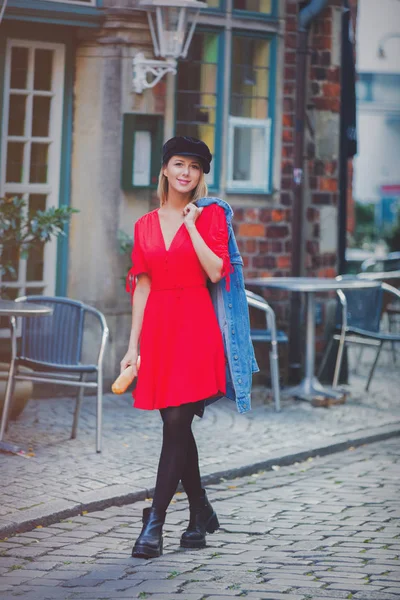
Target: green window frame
(82, 13)
(261, 9)
(215, 6)
(198, 106)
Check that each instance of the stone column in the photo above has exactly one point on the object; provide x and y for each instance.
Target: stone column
(102, 94)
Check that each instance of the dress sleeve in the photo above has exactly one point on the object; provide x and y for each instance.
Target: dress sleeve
(138, 263)
(217, 240)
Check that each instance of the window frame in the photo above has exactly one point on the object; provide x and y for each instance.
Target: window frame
(248, 14)
(221, 33)
(60, 12)
(270, 117)
(212, 10)
(246, 122)
(52, 187)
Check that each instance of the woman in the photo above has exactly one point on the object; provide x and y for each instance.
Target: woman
(177, 248)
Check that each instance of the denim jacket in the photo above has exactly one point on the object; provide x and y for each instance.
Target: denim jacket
(233, 317)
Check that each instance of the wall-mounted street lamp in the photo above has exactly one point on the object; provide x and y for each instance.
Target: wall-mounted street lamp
(171, 35)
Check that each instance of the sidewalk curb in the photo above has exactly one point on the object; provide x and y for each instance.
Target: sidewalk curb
(55, 511)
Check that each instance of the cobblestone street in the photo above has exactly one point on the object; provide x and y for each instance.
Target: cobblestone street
(327, 528)
(64, 477)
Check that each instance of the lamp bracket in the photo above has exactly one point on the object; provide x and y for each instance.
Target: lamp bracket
(142, 67)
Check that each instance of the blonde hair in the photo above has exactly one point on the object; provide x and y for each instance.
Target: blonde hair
(200, 191)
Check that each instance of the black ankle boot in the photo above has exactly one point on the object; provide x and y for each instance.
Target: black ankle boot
(150, 541)
(202, 519)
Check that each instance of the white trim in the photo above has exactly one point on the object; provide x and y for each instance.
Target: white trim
(244, 122)
(52, 187)
(79, 2)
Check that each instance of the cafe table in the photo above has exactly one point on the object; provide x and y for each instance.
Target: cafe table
(310, 388)
(14, 309)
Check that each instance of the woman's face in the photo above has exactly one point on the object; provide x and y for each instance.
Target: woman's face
(183, 173)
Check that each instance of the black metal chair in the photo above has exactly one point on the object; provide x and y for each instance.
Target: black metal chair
(270, 335)
(52, 348)
(359, 322)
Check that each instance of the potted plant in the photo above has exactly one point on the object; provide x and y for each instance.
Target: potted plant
(22, 233)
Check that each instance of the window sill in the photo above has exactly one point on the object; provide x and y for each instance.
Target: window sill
(221, 10)
(246, 14)
(249, 191)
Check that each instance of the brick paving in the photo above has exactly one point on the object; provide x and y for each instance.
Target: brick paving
(327, 528)
(65, 477)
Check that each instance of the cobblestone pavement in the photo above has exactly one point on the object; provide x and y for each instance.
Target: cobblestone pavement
(326, 528)
(64, 476)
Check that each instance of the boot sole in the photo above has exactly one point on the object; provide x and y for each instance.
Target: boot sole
(211, 527)
(143, 551)
(194, 545)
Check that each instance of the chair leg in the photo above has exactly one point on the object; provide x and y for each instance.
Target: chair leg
(371, 373)
(393, 344)
(339, 359)
(358, 361)
(394, 352)
(7, 399)
(99, 410)
(325, 357)
(274, 367)
(79, 399)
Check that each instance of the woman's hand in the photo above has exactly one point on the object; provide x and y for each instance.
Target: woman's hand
(130, 359)
(190, 214)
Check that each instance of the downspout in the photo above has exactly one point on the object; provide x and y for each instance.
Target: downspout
(305, 17)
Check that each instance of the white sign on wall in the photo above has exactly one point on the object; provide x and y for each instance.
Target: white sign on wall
(141, 158)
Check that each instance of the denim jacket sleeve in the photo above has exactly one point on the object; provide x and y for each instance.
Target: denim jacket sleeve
(230, 305)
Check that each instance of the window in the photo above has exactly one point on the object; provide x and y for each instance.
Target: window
(245, 119)
(380, 88)
(249, 142)
(263, 7)
(197, 94)
(31, 147)
(249, 120)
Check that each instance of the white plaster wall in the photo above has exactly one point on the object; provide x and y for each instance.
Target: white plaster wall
(379, 155)
(376, 18)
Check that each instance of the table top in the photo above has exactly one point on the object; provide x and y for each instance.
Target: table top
(311, 284)
(9, 308)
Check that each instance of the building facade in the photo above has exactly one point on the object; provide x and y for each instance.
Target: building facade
(376, 172)
(74, 132)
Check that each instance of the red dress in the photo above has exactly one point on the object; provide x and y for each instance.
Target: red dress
(181, 346)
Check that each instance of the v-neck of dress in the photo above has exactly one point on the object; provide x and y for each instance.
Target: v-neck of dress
(162, 235)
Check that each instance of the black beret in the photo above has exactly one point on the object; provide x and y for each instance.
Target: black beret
(187, 146)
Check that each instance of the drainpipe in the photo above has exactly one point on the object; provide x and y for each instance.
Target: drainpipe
(305, 17)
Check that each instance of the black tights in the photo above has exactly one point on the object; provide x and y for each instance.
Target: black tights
(179, 460)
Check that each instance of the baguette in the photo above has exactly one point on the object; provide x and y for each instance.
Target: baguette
(124, 380)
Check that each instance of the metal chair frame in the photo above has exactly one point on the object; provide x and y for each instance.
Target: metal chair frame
(259, 302)
(71, 374)
(362, 337)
